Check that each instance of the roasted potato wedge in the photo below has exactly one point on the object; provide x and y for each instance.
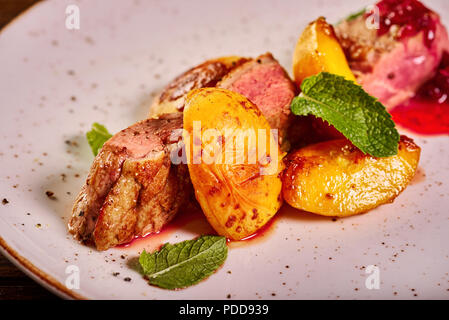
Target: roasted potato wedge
(207, 74)
(318, 50)
(238, 189)
(334, 178)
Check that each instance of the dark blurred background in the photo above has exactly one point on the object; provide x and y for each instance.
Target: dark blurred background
(11, 8)
(14, 284)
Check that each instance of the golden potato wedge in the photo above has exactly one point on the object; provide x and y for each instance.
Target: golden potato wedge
(207, 74)
(234, 169)
(318, 50)
(334, 178)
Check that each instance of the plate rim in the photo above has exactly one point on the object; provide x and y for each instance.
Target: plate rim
(42, 278)
(37, 274)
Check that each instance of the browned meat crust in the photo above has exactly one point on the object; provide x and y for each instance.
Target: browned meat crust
(263, 81)
(207, 74)
(132, 188)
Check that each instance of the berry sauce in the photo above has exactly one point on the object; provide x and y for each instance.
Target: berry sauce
(410, 16)
(428, 111)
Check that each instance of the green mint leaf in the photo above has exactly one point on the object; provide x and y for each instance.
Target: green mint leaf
(185, 263)
(346, 106)
(355, 15)
(97, 136)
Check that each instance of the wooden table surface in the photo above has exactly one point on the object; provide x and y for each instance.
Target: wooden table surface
(14, 284)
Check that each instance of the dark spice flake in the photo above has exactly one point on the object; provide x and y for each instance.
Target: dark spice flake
(50, 195)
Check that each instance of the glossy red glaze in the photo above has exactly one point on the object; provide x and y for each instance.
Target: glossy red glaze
(190, 219)
(428, 111)
(423, 116)
(437, 89)
(411, 16)
(194, 221)
(262, 231)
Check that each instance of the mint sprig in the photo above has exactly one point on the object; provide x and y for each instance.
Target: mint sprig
(355, 15)
(97, 136)
(185, 263)
(345, 105)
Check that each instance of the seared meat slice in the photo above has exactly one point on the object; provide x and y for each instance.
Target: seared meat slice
(207, 74)
(132, 188)
(261, 80)
(268, 86)
(391, 66)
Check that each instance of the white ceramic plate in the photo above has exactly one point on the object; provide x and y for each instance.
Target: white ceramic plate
(55, 82)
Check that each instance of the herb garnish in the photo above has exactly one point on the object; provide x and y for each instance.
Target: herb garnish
(345, 105)
(185, 263)
(355, 15)
(97, 136)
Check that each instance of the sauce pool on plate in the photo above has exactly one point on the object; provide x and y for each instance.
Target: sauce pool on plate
(428, 111)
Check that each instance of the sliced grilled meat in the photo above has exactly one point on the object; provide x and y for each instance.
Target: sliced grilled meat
(268, 86)
(133, 188)
(207, 74)
(261, 80)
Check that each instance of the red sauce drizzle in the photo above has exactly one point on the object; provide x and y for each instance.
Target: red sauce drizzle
(411, 16)
(194, 221)
(262, 232)
(428, 111)
(191, 219)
